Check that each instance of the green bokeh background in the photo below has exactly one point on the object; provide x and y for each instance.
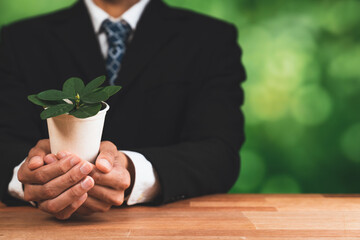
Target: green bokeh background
(302, 93)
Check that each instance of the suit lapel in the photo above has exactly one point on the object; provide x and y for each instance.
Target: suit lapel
(153, 31)
(76, 31)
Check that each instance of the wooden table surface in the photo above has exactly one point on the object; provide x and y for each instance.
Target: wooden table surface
(238, 216)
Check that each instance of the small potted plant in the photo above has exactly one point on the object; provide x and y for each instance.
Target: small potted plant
(76, 115)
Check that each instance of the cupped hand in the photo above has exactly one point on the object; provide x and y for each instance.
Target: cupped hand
(58, 183)
(113, 175)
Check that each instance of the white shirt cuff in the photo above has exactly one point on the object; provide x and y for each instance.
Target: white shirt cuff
(15, 186)
(146, 186)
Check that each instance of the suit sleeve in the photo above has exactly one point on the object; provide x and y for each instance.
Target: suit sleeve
(18, 127)
(206, 160)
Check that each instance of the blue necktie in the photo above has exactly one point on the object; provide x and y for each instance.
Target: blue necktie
(117, 34)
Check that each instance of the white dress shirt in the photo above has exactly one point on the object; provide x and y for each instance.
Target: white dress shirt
(146, 186)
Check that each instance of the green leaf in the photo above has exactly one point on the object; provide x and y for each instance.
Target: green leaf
(86, 111)
(94, 84)
(111, 90)
(86, 99)
(34, 99)
(72, 86)
(52, 95)
(95, 97)
(98, 89)
(56, 110)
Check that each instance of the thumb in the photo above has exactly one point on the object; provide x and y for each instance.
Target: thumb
(35, 162)
(105, 160)
(36, 155)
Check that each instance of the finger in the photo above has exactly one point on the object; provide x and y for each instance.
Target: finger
(69, 210)
(108, 195)
(41, 148)
(35, 162)
(62, 154)
(37, 153)
(108, 152)
(59, 203)
(118, 179)
(96, 205)
(58, 185)
(48, 172)
(50, 158)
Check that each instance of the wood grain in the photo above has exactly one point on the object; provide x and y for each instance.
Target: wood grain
(228, 217)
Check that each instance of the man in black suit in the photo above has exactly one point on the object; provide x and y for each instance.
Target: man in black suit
(178, 111)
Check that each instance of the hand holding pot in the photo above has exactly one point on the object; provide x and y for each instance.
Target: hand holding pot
(112, 179)
(59, 187)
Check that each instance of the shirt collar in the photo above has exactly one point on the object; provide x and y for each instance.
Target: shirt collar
(131, 16)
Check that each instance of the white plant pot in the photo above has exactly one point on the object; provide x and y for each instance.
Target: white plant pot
(78, 136)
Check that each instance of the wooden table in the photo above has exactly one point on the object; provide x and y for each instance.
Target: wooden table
(240, 216)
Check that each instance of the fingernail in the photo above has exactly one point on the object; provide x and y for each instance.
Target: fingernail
(85, 168)
(105, 163)
(51, 159)
(63, 154)
(87, 183)
(35, 161)
(36, 158)
(74, 161)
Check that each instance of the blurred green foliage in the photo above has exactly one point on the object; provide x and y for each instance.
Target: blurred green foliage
(302, 93)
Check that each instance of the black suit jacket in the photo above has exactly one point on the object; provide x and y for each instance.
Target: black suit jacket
(179, 105)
